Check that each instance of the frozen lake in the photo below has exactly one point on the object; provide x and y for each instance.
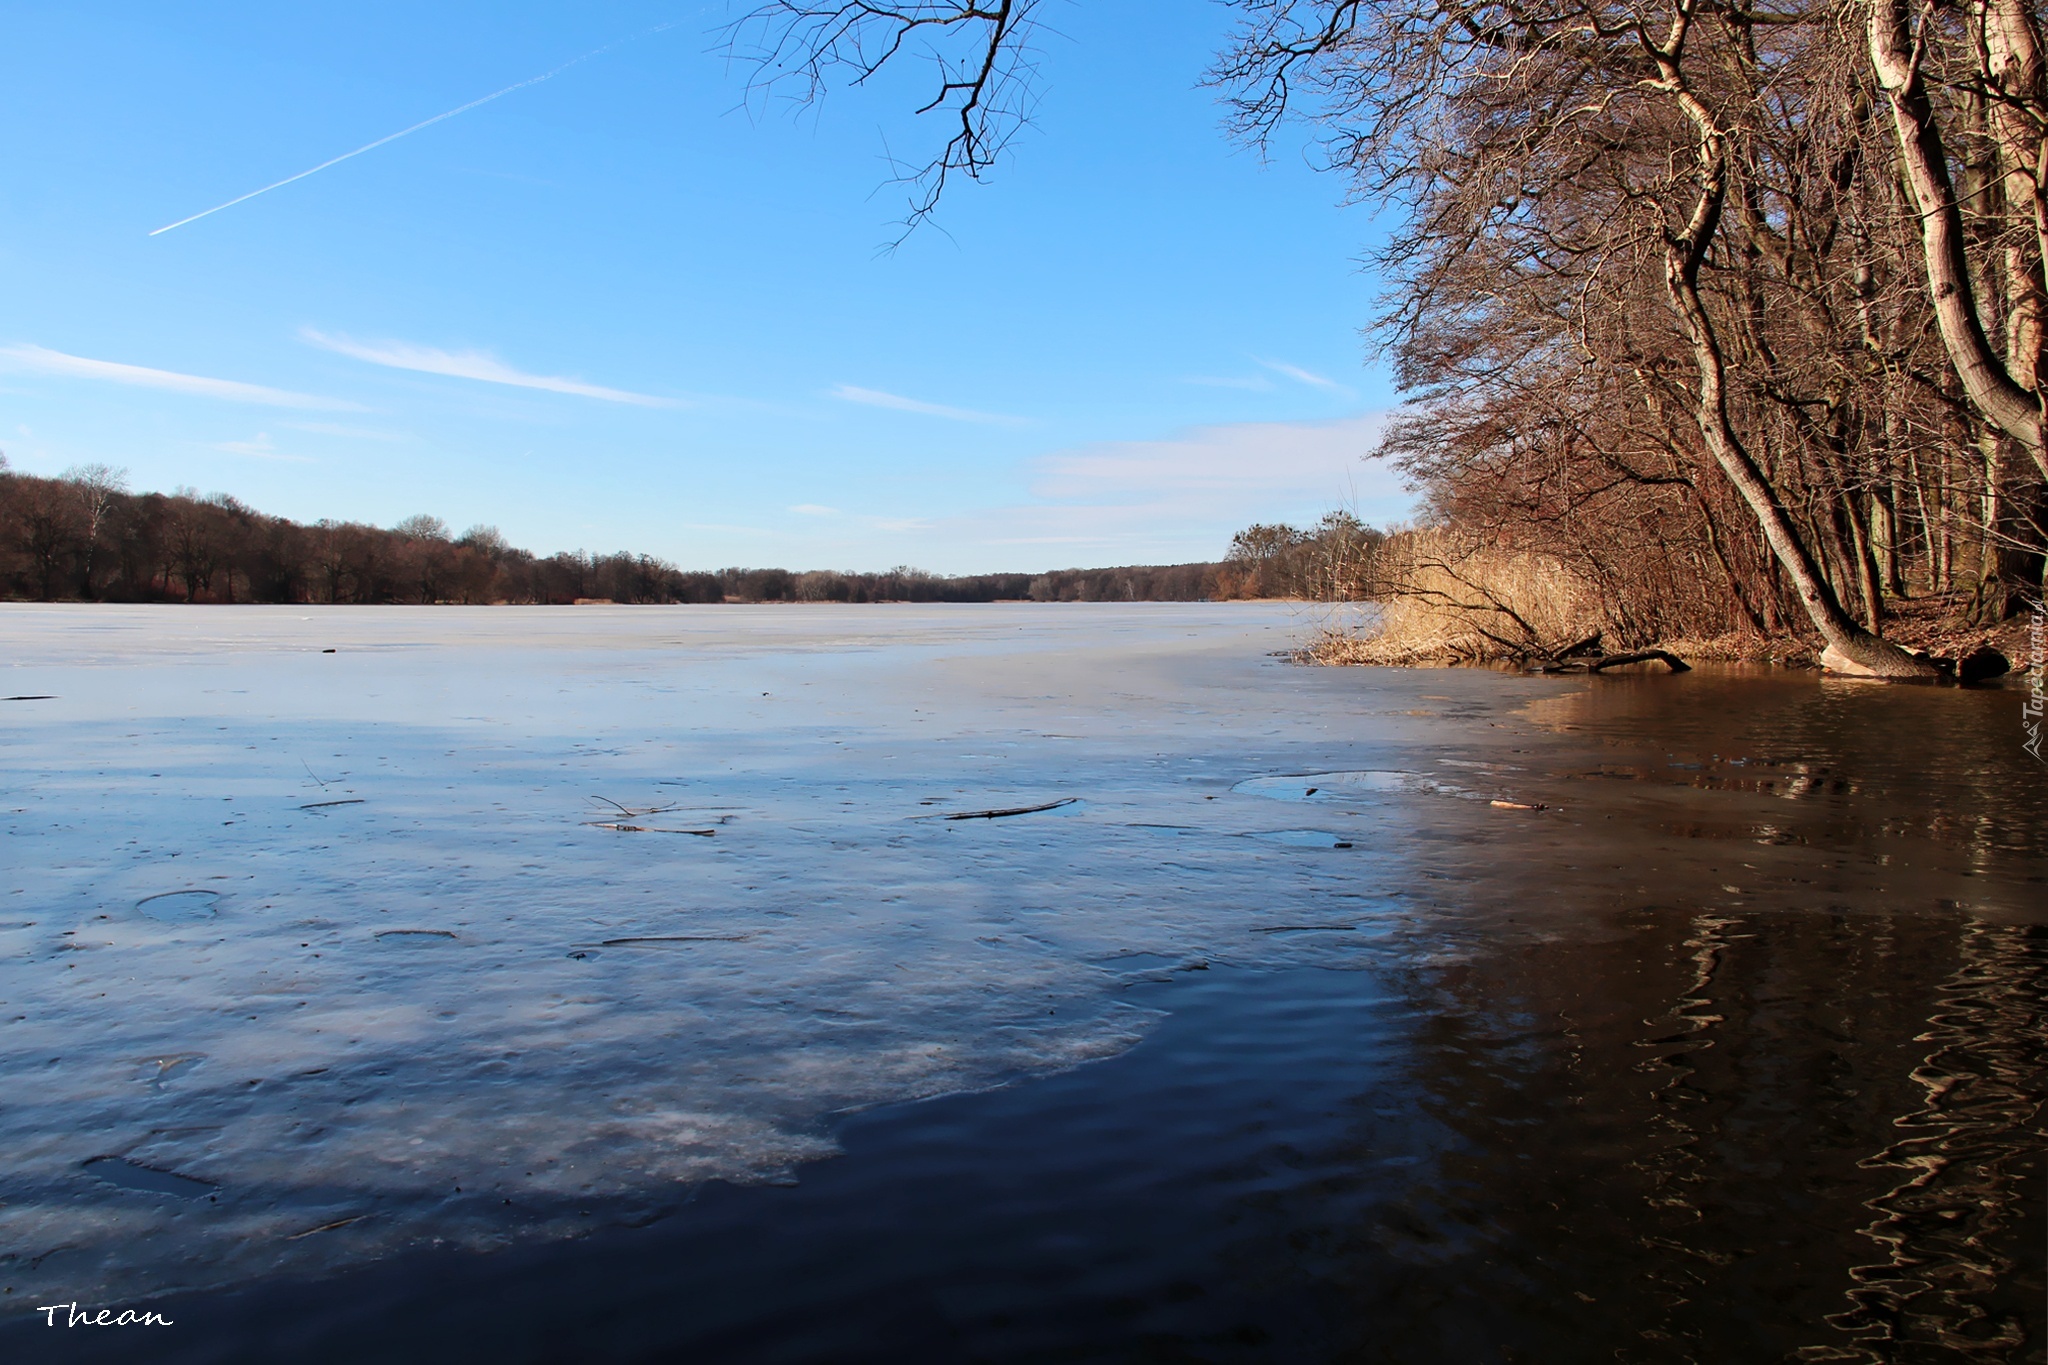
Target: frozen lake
(352, 929)
(338, 937)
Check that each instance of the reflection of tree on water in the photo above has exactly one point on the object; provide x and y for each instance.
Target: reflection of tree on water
(1939, 1291)
(1661, 1133)
(1673, 1169)
(1831, 765)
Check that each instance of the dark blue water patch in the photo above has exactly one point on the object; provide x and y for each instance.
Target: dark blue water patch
(133, 1175)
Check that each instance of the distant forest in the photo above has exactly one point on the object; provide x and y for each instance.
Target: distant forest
(85, 537)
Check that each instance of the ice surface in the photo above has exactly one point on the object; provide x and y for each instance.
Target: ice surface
(179, 907)
(493, 924)
(1303, 838)
(1345, 786)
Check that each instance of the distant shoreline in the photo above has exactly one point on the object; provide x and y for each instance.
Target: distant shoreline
(87, 538)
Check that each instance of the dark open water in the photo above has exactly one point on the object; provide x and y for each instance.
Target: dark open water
(1736, 1054)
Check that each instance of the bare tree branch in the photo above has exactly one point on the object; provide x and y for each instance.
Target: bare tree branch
(980, 52)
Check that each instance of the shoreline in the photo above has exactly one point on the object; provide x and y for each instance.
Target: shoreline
(1928, 634)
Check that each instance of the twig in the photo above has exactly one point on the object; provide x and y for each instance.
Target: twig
(624, 828)
(1013, 810)
(630, 813)
(329, 1227)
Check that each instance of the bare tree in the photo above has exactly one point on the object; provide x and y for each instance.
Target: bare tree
(46, 529)
(979, 51)
(1569, 147)
(194, 546)
(96, 487)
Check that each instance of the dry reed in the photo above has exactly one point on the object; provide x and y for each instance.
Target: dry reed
(1446, 598)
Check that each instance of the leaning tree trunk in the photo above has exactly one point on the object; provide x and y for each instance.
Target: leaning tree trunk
(1849, 644)
(1993, 390)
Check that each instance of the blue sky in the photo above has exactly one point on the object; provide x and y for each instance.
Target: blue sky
(619, 310)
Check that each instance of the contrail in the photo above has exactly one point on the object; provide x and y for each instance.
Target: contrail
(426, 123)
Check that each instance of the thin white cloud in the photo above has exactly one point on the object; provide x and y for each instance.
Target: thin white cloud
(875, 398)
(261, 448)
(812, 509)
(1182, 497)
(478, 365)
(1169, 500)
(38, 360)
(1262, 461)
(1295, 372)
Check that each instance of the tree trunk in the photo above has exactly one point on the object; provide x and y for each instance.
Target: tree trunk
(1866, 566)
(1991, 387)
(1884, 537)
(1683, 256)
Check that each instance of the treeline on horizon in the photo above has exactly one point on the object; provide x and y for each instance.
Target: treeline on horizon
(84, 537)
